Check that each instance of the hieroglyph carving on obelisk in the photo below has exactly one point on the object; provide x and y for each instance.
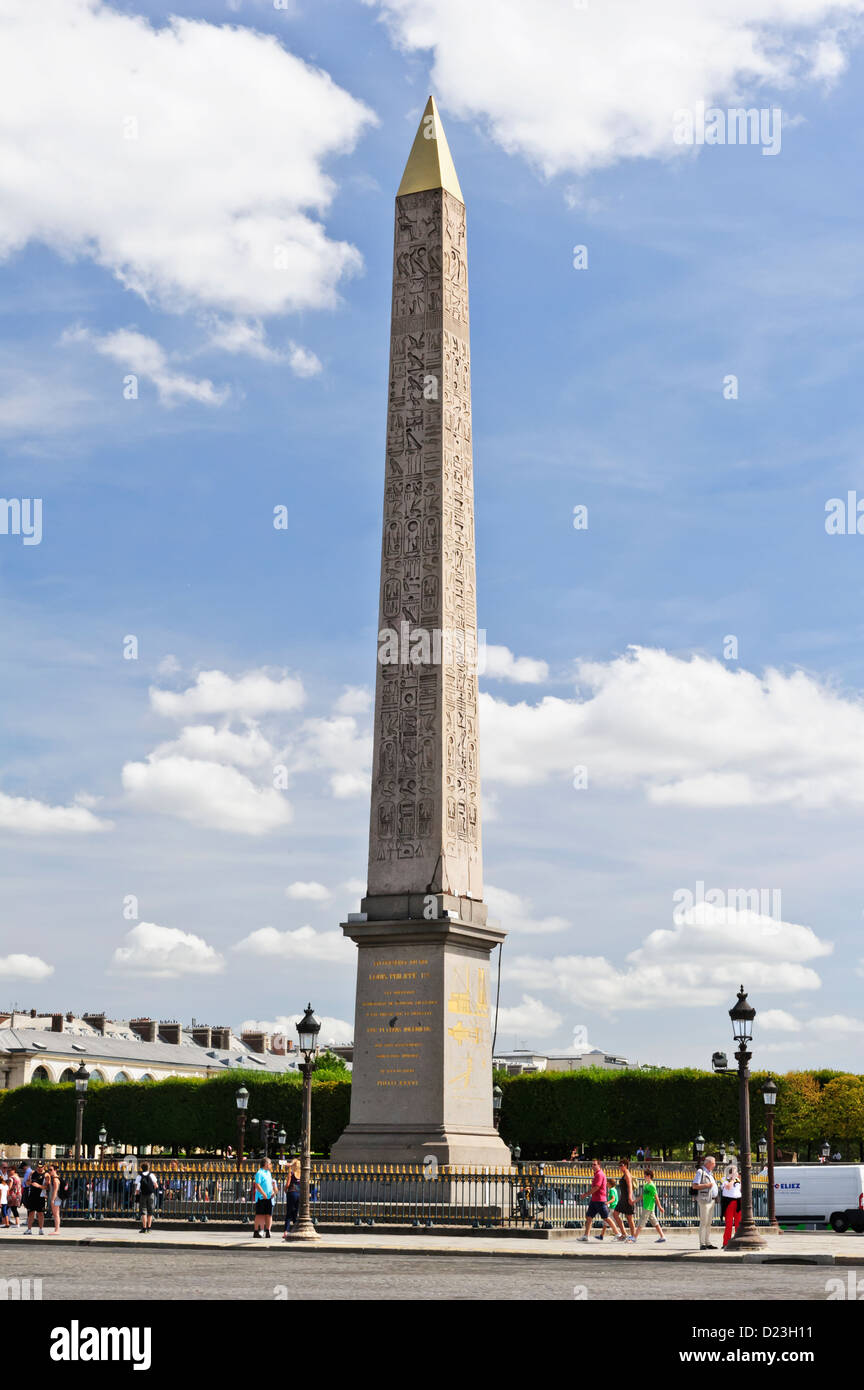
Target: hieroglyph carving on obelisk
(425, 822)
(422, 1069)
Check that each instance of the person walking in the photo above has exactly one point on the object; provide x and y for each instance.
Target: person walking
(263, 1190)
(14, 1199)
(650, 1207)
(730, 1203)
(597, 1205)
(625, 1200)
(704, 1189)
(613, 1222)
(146, 1188)
(4, 1198)
(34, 1198)
(53, 1198)
(292, 1196)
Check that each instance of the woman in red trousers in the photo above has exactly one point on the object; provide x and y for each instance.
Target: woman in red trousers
(731, 1201)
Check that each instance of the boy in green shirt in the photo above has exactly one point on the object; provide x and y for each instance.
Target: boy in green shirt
(613, 1220)
(650, 1201)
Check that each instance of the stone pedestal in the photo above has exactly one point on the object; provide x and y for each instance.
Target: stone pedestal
(422, 1078)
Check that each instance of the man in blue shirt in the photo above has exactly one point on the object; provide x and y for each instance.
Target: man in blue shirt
(263, 1193)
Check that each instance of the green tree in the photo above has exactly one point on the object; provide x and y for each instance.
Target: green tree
(841, 1111)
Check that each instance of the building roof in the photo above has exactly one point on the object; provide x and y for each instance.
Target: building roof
(39, 1043)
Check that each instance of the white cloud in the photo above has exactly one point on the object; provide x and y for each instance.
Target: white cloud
(337, 743)
(836, 1025)
(29, 817)
(696, 932)
(304, 943)
(499, 664)
(196, 151)
(19, 967)
(573, 87)
(689, 732)
(347, 784)
(242, 336)
(165, 953)
(697, 964)
(516, 914)
(144, 358)
(356, 886)
(169, 665)
(214, 692)
(302, 361)
(335, 1032)
(206, 794)
(307, 892)
(532, 1017)
(204, 742)
(355, 699)
(778, 1021)
(248, 336)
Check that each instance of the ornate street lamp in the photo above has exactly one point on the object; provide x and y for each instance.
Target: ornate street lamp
(826, 1150)
(497, 1102)
(82, 1080)
(742, 1015)
(242, 1100)
(698, 1147)
(769, 1100)
(103, 1140)
(307, 1033)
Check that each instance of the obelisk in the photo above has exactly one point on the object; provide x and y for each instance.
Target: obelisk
(422, 1077)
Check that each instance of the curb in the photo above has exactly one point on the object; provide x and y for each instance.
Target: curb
(508, 1252)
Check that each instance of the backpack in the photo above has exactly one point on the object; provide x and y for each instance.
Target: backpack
(64, 1189)
(695, 1190)
(147, 1186)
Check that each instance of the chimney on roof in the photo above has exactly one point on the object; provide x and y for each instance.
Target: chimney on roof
(202, 1035)
(96, 1021)
(144, 1027)
(56, 1023)
(170, 1031)
(70, 1017)
(254, 1042)
(220, 1038)
(33, 1013)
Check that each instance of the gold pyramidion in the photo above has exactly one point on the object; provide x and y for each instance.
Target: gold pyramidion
(430, 163)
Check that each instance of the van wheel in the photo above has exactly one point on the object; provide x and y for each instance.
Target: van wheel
(839, 1222)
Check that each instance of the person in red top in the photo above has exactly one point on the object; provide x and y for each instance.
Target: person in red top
(597, 1205)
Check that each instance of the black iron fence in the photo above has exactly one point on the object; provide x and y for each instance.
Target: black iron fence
(542, 1196)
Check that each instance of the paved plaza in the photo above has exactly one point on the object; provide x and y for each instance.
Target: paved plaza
(191, 1271)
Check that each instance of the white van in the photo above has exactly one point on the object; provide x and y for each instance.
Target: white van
(828, 1193)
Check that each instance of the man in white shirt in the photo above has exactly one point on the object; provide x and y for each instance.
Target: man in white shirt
(705, 1191)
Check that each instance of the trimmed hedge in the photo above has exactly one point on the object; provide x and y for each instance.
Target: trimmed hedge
(182, 1112)
(545, 1113)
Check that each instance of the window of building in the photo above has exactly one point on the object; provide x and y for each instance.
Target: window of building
(121, 1076)
(40, 1074)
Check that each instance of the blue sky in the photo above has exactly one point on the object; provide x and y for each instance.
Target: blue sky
(260, 387)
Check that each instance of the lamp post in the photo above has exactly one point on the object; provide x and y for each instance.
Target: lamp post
(769, 1099)
(742, 1015)
(826, 1151)
(242, 1099)
(103, 1140)
(698, 1148)
(497, 1102)
(81, 1078)
(307, 1032)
